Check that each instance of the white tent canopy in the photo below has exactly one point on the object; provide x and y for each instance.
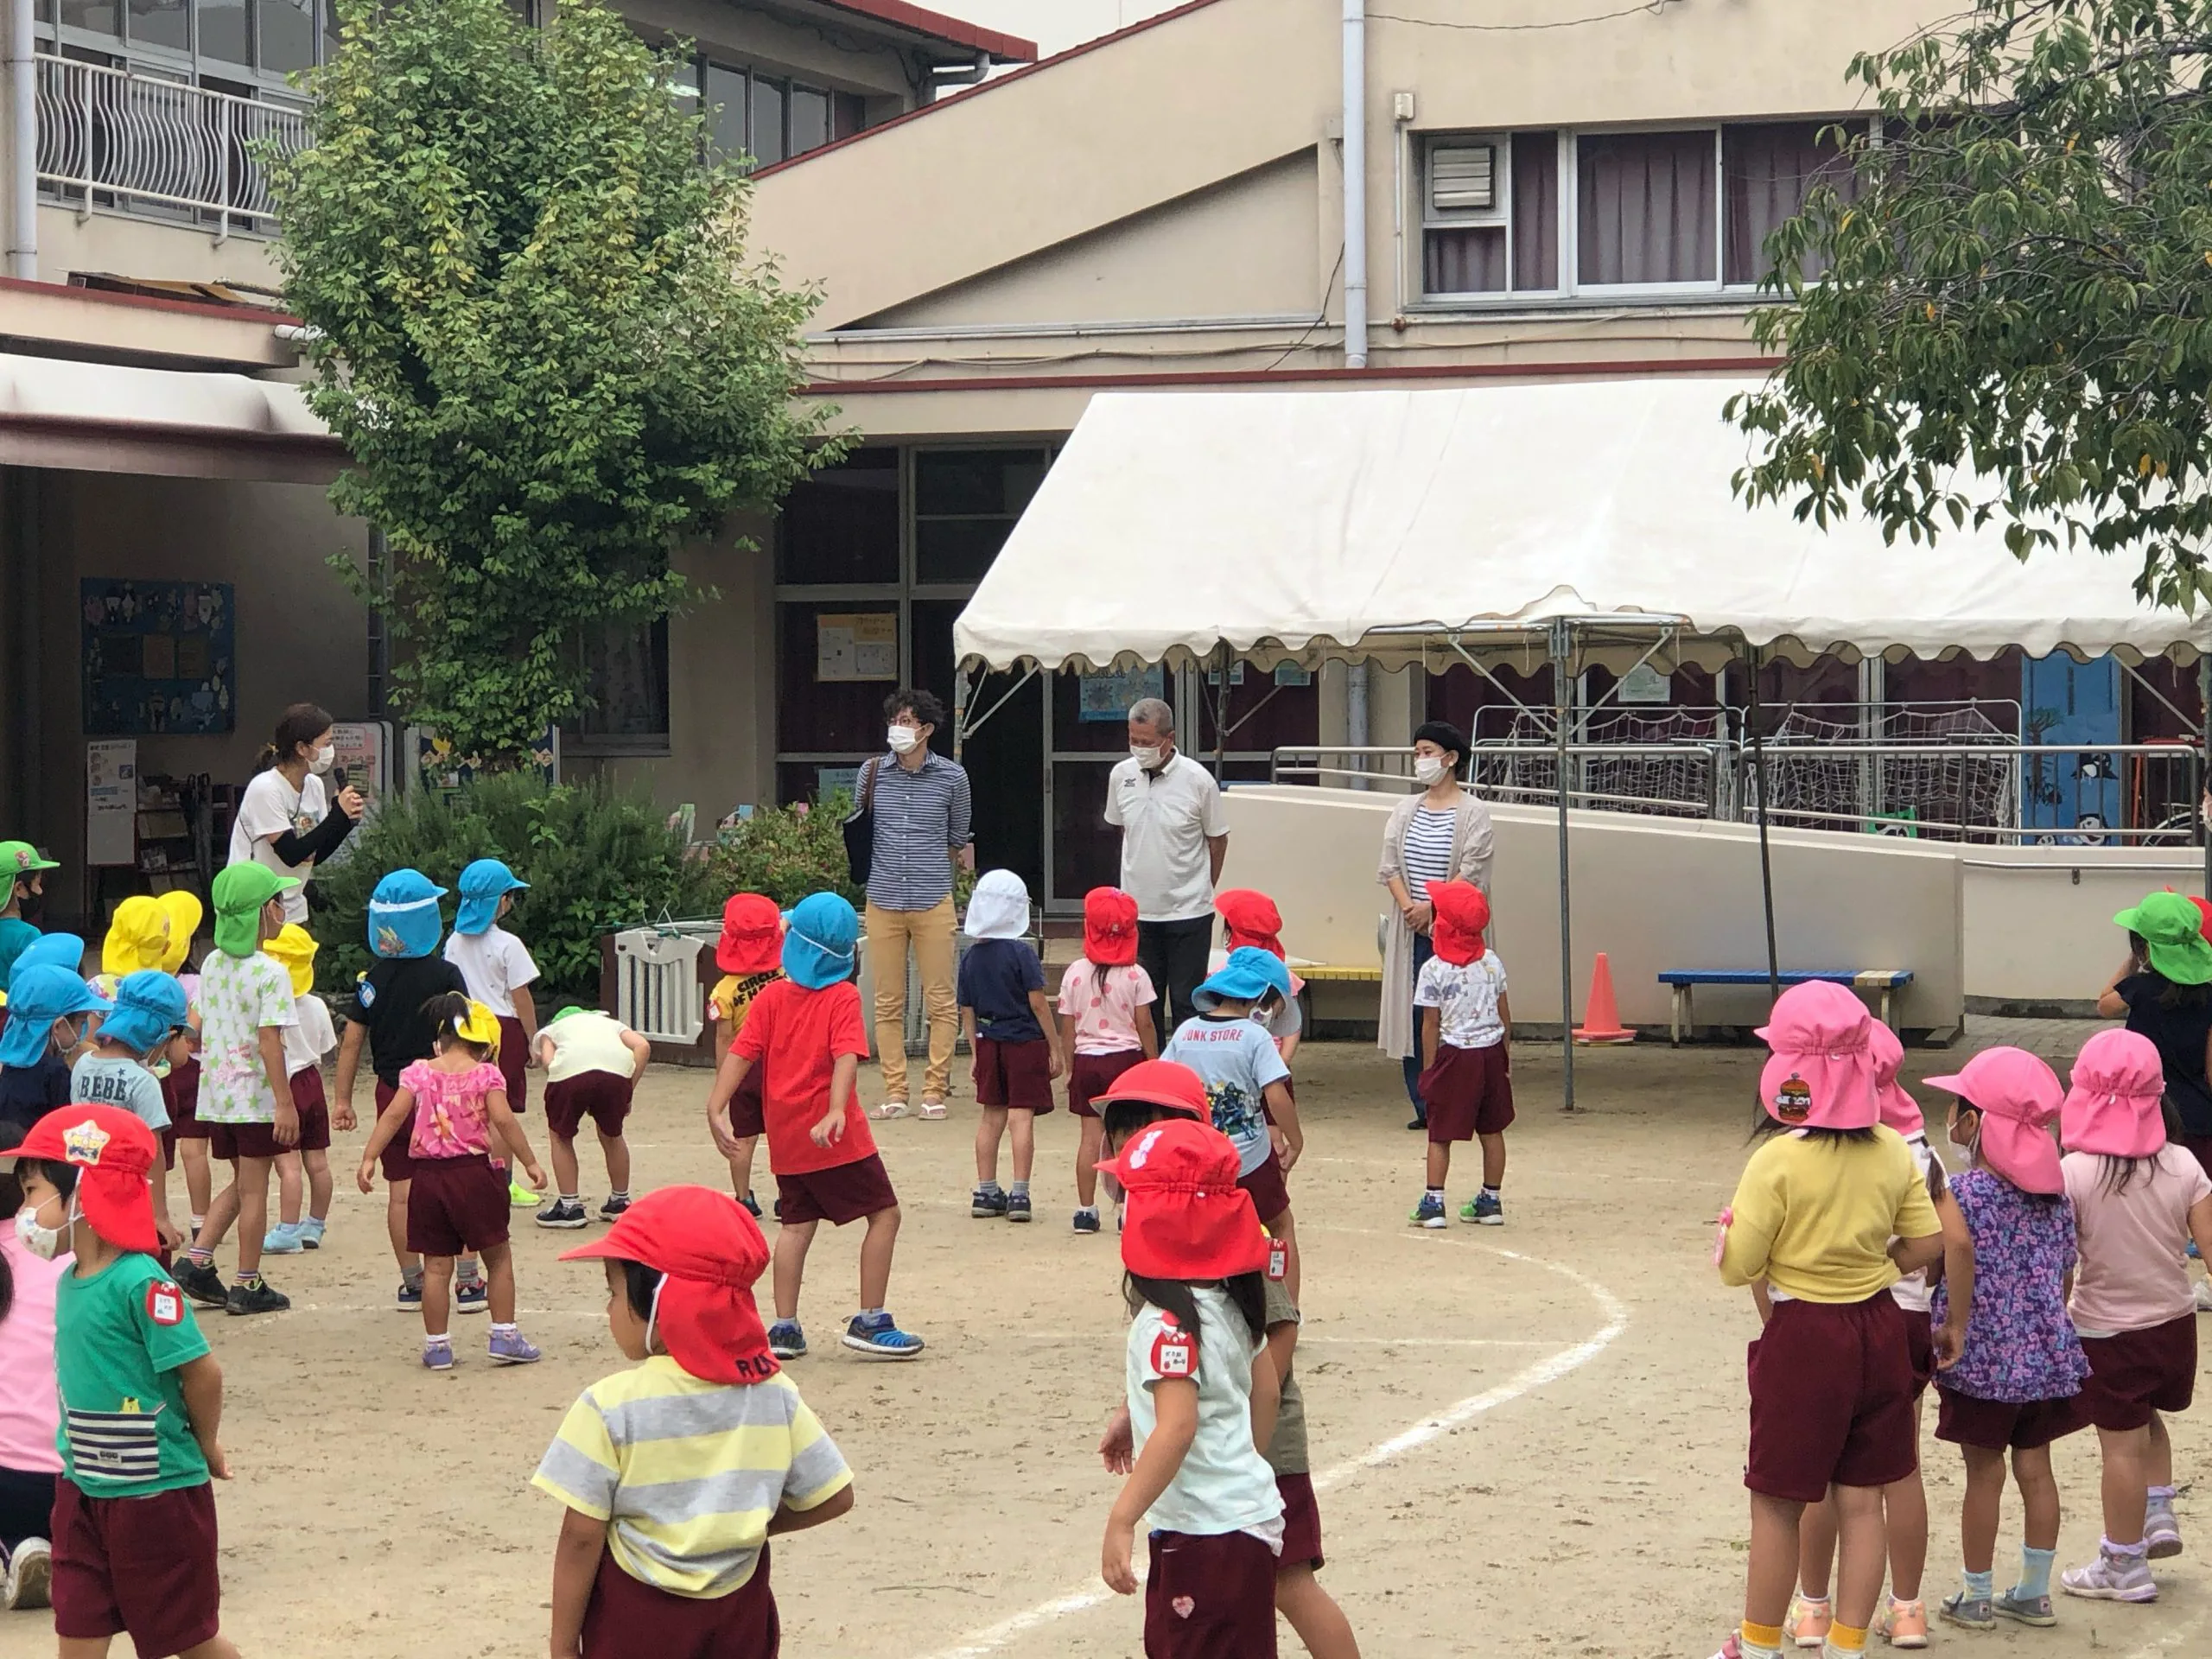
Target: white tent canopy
(1304, 522)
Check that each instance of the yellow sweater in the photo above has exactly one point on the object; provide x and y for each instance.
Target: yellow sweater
(1815, 1217)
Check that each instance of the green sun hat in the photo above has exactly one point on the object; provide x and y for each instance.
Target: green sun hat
(239, 893)
(573, 1007)
(2173, 932)
(21, 858)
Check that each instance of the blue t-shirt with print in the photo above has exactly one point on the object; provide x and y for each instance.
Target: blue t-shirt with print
(1236, 1061)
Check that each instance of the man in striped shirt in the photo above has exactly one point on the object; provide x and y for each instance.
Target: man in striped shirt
(922, 808)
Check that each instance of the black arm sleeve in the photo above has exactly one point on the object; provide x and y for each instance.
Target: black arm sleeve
(321, 841)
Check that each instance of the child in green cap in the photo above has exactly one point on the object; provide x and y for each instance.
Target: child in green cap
(23, 868)
(245, 1091)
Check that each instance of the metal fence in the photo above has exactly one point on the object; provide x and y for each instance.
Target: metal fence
(111, 137)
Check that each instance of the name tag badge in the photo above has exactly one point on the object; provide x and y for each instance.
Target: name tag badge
(1172, 1355)
(164, 1304)
(1278, 1260)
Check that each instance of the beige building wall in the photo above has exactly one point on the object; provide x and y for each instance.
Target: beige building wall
(125, 244)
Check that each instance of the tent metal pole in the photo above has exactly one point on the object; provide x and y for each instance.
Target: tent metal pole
(1562, 645)
(1766, 862)
(1221, 715)
(959, 711)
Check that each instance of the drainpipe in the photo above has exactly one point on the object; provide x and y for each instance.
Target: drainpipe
(944, 75)
(1355, 123)
(1357, 726)
(22, 109)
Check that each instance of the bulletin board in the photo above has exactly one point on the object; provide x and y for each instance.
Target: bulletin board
(855, 645)
(158, 657)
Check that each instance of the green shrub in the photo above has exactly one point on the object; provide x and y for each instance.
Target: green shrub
(596, 858)
(787, 852)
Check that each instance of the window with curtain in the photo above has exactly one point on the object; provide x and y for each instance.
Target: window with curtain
(628, 666)
(1646, 208)
(1491, 227)
(1770, 170)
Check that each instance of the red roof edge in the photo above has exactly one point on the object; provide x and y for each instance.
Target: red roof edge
(148, 302)
(1009, 48)
(965, 93)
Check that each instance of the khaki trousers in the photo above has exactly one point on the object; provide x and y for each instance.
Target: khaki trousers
(929, 932)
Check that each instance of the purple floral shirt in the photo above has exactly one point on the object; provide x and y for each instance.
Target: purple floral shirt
(2020, 1344)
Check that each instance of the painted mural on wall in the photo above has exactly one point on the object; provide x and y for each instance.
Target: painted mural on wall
(158, 657)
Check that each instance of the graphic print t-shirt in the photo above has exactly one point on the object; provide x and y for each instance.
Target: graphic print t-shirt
(1236, 1061)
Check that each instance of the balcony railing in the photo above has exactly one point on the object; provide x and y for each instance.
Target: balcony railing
(114, 138)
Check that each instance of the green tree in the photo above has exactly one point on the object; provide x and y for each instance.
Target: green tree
(2015, 282)
(538, 331)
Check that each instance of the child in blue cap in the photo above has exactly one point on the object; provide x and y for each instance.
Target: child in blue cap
(806, 1033)
(118, 1069)
(497, 967)
(44, 1002)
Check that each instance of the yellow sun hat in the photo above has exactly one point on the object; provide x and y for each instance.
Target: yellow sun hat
(295, 947)
(137, 937)
(185, 912)
(480, 1027)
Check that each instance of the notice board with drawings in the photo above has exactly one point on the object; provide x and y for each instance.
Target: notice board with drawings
(855, 645)
(158, 657)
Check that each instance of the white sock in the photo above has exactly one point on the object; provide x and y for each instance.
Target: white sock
(498, 1330)
(440, 1336)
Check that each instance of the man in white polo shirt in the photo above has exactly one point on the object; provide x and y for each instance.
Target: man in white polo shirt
(1174, 836)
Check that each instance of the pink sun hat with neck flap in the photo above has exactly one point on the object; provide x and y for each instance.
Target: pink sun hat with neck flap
(1821, 1075)
(2117, 1104)
(2019, 1098)
(1900, 1111)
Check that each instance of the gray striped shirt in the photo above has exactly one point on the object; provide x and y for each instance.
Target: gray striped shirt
(920, 817)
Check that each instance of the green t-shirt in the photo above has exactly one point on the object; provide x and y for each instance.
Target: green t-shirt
(118, 1338)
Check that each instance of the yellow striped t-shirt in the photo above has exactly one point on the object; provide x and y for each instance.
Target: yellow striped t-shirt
(688, 1473)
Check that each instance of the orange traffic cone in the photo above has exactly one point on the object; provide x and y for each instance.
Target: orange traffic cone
(1605, 1019)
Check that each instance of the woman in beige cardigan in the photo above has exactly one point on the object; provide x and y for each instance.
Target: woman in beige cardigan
(1442, 833)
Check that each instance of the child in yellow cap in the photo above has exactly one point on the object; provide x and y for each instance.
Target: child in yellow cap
(305, 1045)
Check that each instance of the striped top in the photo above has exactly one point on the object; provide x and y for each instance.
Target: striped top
(688, 1473)
(1429, 849)
(920, 817)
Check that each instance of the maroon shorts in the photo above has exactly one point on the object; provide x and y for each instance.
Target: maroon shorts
(841, 1193)
(1018, 1075)
(181, 1100)
(1270, 1193)
(627, 1619)
(749, 1103)
(1211, 1597)
(1831, 1399)
(1468, 1093)
(599, 1096)
(396, 1161)
(457, 1206)
(1920, 1343)
(514, 1063)
(1301, 1523)
(2138, 1372)
(1092, 1075)
(228, 1142)
(314, 1107)
(1994, 1425)
(143, 1566)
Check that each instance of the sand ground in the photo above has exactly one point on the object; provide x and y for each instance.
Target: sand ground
(1531, 1438)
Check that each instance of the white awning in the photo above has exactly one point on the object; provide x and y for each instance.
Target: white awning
(164, 400)
(1302, 523)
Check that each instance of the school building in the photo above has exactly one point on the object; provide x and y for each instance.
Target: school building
(1207, 198)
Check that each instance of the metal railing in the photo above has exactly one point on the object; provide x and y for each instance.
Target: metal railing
(111, 137)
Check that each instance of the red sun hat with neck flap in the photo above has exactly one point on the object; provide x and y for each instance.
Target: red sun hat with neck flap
(1900, 1111)
(1821, 1075)
(1186, 1217)
(752, 936)
(112, 1152)
(1109, 927)
(711, 1252)
(1161, 1083)
(2019, 1099)
(1462, 914)
(1252, 919)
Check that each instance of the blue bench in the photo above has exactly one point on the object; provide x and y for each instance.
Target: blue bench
(1884, 981)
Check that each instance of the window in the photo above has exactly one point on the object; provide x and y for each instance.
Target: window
(965, 505)
(287, 32)
(223, 30)
(161, 22)
(768, 145)
(270, 39)
(628, 666)
(93, 17)
(1489, 214)
(1769, 172)
(749, 113)
(724, 90)
(1645, 208)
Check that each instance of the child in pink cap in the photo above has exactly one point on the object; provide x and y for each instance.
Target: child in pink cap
(2137, 1200)
(2011, 1369)
(1830, 1212)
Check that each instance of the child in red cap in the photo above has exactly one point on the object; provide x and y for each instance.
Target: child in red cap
(141, 1399)
(677, 1472)
(1106, 1026)
(1196, 1258)
(1467, 1030)
(750, 953)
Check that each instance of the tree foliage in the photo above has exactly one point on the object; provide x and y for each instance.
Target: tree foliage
(2018, 284)
(537, 332)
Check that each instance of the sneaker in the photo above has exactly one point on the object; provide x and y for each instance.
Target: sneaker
(437, 1356)
(311, 1231)
(524, 1197)
(612, 1208)
(1086, 1221)
(752, 1204)
(786, 1340)
(201, 1282)
(2204, 1295)
(565, 1213)
(259, 1297)
(1484, 1209)
(987, 1204)
(281, 1240)
(30, 1570)
(472, 1298)
(2111, 1578)
(512, 1348)
(1974, 1614)
(891, 1108)
(2024, 1610)
(2161, 1532)
(1730, 1649)
(410, 1298)
(1421, 1122)
(1905, 1624)
(1429, 1213)
(933, 1111)
(878, 1337)
(1809, 1622)
(1017, 1206)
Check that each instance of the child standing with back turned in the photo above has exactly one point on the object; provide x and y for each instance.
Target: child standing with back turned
(303, 1173)
(1008, 1025)
(1106, 1026)
(496, 969)
(750, 953)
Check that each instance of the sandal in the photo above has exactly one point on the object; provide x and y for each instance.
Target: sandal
(933, 1109)
(890, 1109)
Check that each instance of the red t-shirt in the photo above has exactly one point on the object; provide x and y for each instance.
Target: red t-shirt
(795, 1036)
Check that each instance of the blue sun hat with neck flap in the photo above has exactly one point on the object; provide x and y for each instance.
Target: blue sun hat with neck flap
(819, 937)
(483, 883)
(37, 997)
(403, 918)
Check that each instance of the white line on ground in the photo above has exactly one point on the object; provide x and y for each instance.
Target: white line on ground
(993, 1637)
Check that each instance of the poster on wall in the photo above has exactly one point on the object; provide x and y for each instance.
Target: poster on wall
(438, 768)
(364, 755)
(158, 657)
(1105, 698)
(855, 645)
(112, 802)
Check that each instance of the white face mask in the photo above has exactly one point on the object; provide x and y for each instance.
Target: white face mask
(904, 739)
(325, 758)
(1145, 755)
(43, 1242)
(1430, 768)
